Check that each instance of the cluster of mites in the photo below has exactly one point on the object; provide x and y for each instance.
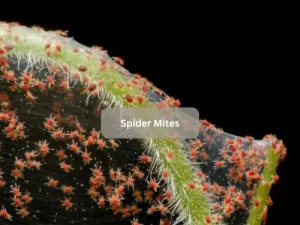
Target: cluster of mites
(114, 193)
(244, 163)
(241, 164)
(92, 88)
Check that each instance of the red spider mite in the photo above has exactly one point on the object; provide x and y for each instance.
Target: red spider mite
(152, 209)
(66, 167)
(62, 33)
(153, 184)
(191, 185)
(165, 174)
(205, 187)
(101, 83)
(219, 164)
(135, 222)
(193, 154)
(162, 208)
(140, 99)
(82, 68)
(2, 51)
(5, 214)
(170, 155)
(23, 212)
(52, 182)
(58, 48)
(208, 220)
(129, 98)
(118, 60)
(68, 190)
(86, 157)
(92, 87)
(48, 45)
(275, 178)
(27, 198)
(67, 203)
(17, 202)
(256, 203)
(145, 159)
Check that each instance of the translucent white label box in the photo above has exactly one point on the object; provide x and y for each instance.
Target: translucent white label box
(138, 123)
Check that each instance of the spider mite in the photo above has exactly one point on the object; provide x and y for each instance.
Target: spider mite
(67, 203)
(219, 164)
(15, 190)
(145, 159)
(191, 185)
(208, 220)
(62, 33)
(129, 98)
(68, 190)
(135, 222)
(193, 154)
(52, 182)
(66, 167)
(256, 203)
(4, 213)
(113, 143)
(118, 60)
(27, 198)
(162, 208)
(23, 212)
(153, 184)
(86, 157)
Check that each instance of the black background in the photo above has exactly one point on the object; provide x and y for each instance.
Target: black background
(231, 72)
